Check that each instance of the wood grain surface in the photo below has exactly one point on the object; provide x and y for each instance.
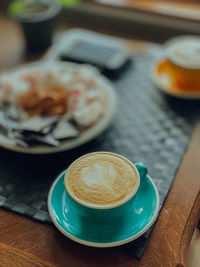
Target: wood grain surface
(24, 242)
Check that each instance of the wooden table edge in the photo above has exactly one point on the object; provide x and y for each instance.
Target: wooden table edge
(180, 213)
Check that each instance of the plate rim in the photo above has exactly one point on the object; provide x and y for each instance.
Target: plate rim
(101, 244)
(165, 89)
(91, 133)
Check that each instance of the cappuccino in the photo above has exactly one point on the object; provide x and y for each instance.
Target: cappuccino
(184, 51)
(101, 179)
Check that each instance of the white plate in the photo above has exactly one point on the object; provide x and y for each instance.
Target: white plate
(162, 81)
(86, 135)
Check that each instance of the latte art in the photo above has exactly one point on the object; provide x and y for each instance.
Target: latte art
(101, 179)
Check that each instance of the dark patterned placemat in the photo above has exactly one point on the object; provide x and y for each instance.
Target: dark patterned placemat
(148, 128)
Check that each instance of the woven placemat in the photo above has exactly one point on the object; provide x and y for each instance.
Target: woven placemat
(148, 128)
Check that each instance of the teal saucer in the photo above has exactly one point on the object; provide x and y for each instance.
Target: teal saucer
(139, 219)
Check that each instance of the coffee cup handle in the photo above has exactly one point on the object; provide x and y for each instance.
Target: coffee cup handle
(142, 169)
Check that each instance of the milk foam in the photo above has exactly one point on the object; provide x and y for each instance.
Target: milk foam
(185, 51)
(101, 179)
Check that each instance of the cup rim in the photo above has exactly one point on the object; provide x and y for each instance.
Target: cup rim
(52, 10)
(106, 207)
(172, 42)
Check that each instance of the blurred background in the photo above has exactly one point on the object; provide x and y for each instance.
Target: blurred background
(147, 20)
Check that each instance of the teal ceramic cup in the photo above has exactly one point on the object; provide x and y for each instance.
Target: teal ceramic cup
(111, 212)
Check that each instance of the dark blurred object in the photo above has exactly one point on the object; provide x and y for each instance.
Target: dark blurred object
(110, 61)
(37, 19)
(107, 54)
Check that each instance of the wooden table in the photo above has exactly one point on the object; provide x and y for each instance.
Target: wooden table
(24, 242)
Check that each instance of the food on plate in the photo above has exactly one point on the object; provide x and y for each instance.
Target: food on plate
(48, 105)
(44, 101)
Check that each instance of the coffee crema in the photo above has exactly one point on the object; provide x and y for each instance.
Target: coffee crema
(101, 179)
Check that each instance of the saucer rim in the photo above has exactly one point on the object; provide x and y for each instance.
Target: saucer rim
(101, 244)
(166, 89)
